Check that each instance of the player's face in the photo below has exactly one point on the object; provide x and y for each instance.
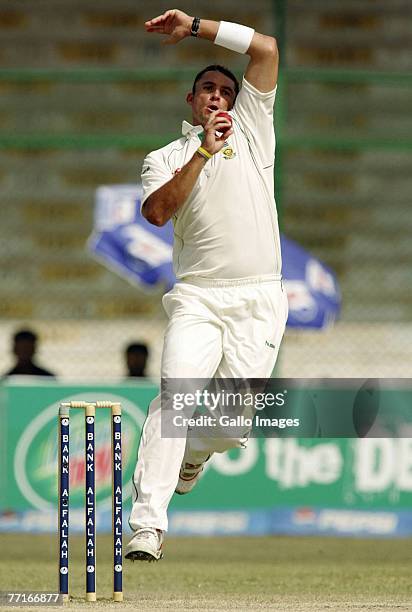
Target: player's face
(214, 91)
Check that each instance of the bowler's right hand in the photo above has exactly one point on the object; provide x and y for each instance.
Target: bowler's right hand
(214, 140)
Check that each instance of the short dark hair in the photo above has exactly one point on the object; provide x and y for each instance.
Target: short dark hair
(137, 347)
(217, 68)
(25, 334)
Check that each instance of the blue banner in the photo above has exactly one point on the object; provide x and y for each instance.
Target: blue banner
(129, 245)
(303, 521)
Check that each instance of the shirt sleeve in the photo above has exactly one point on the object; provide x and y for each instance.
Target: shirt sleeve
(154, 175)
(254, 111)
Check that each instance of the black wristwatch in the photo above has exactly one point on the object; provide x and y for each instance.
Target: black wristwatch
(195, 26)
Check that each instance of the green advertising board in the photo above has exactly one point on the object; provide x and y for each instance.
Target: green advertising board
(362, 474)
(29, 441)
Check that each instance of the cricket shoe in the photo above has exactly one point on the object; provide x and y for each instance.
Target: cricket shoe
(146, 545)
(188, 476)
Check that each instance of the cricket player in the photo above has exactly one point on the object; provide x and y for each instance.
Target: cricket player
(228, 310)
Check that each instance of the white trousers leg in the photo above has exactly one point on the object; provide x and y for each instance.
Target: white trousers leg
(231, 332)
(251, 342)
(192, 347)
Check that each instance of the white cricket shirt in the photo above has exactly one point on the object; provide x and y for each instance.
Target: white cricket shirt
(227, 228)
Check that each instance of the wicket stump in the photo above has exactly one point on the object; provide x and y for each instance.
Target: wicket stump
(90, 496)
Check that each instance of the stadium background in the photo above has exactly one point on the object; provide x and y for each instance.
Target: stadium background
(85, 94)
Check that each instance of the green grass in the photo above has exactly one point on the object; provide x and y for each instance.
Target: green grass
(264, 573)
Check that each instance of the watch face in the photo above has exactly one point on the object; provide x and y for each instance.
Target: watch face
(195, 26)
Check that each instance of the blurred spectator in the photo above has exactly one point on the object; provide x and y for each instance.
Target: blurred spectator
(24, 348)
(136, 359)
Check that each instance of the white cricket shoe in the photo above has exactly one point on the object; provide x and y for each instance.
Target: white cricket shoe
(145, 545)
(188, 476)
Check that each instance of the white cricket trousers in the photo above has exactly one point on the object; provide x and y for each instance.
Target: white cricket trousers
(225, 330)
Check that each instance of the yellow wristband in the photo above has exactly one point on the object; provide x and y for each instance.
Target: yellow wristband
(204, 153)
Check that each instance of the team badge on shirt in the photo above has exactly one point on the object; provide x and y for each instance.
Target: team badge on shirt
(228, 153)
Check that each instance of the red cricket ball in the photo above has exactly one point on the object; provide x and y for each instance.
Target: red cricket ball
(226, 116)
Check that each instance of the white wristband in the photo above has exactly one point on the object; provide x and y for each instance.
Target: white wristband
(234, 36)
